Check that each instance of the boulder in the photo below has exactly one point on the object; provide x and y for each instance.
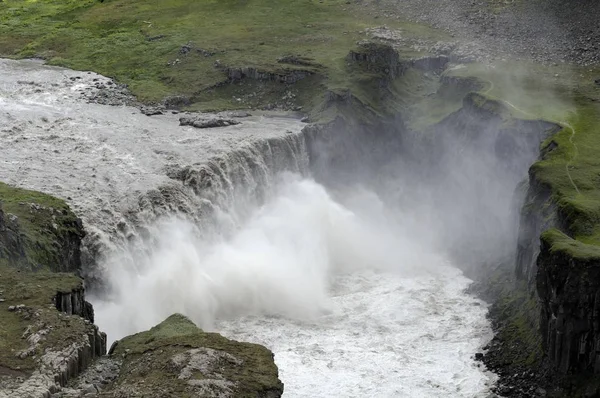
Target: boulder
(205, 123)
(176, 358)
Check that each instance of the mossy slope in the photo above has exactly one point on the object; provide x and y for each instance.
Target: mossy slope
(38, 231)
(176, 359)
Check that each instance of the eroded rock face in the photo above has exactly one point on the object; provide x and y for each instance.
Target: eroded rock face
(175, 359)
(377, 57)
(11, 244)
(58, 347)
(73, 303)
(563, 278)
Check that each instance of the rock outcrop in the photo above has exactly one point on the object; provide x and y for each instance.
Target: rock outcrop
(48, 348)
(378, 58)
(48, 336)
(73, 303)
(38, 231)
(205, 123)
(175, 359)
(283, 76)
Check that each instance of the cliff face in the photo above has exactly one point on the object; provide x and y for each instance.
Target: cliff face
(563, 277)
(568, 285)
(537, 215)
(49, 340)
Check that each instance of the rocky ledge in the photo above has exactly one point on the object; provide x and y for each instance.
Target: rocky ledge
(176, 359)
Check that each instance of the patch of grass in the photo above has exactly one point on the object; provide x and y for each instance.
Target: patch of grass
(572, 170)
(148, 356)
(559, 242)
(140, 42)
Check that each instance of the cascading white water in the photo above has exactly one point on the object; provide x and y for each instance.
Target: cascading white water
(350, 304)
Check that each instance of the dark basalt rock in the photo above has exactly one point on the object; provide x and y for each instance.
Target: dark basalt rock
(151, 110)
(176, 102)
(378, 58)
(204, 123)
(569, 291)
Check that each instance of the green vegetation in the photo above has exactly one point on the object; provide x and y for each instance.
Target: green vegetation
(572, 169)
(519, 310)
(45, 231)
(151, 366)
(561, 243)
(516, 321)
(140, 43)
(39, 234)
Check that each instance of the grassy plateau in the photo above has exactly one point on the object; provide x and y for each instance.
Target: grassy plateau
(143, 43)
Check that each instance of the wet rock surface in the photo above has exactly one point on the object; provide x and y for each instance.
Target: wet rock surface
(569, 291)
(203, 122)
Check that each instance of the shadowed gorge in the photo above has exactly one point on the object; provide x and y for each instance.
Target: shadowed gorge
(298, 198)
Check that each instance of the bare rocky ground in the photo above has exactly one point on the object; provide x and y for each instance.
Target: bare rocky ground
(548, 31)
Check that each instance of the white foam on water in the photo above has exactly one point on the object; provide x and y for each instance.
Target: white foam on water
(349, 301)
(387, 336)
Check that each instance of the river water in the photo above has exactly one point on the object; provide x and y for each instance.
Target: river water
(352, 302)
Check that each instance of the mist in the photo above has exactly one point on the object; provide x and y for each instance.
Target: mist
(280, 262)
(448, 197)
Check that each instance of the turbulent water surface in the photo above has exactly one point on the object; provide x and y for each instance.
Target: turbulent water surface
(347, 295)
(350, 304)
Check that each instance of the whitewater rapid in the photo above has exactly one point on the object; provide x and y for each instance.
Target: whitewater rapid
(348, 301)
(387, 336)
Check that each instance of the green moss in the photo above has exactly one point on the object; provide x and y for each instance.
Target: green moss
(148, 359)
(572, 171)
(559, 242)
(45, 224)
(515, 313)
